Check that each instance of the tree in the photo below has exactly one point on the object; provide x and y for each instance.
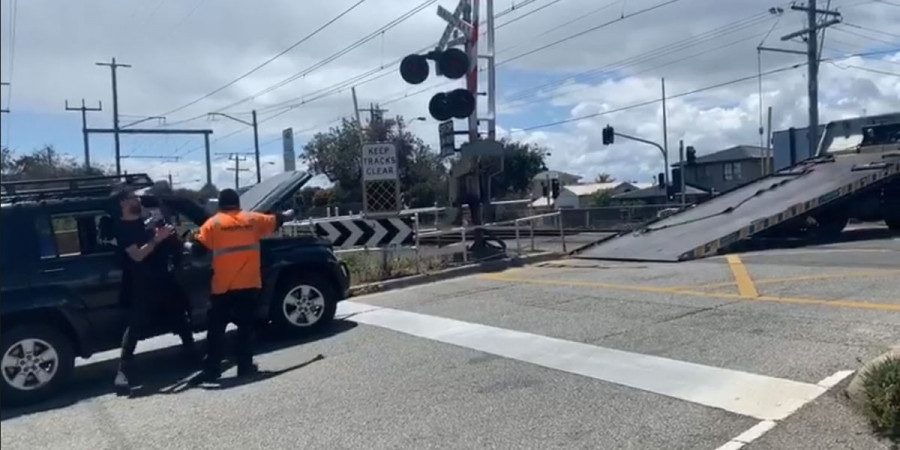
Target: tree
(337, 154)
(601, 198)
(604, 178)
(523, 161)
(43, 164)
(322, 198)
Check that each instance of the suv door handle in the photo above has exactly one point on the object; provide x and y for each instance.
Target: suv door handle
(56, 270)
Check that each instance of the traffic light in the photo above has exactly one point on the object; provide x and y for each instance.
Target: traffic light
(554, 187)
(661, 179)
(544, 190)
(609, 135)
(691, 155)
(452, 63)
(676, 179)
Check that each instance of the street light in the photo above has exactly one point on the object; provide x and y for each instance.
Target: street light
(255, 126)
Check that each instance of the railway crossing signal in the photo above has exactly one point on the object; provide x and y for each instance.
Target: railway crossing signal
(452, 63)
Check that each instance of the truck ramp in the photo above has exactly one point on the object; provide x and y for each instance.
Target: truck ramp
(711, 227)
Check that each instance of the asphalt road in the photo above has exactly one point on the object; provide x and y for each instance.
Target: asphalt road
(569, 354)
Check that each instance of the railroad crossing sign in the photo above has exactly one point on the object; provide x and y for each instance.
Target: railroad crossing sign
(381, 232)
(381, 181)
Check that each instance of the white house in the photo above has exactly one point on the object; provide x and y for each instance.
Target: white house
(579, 195)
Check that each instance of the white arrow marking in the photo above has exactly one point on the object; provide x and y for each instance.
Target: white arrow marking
(355, 234)
(332, 231)
(403, 231)
(380, 232)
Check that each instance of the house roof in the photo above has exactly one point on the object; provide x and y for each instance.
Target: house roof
(554, 173)
(588, 189)
(656, 191)
(737, 153)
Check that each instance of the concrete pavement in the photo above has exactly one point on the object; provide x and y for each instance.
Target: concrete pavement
(568, 354)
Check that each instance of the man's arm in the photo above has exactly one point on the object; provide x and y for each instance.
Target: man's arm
(138, 254)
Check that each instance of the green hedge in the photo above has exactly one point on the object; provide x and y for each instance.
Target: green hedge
(881, 386)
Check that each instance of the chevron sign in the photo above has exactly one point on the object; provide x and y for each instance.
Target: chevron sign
(367, 232)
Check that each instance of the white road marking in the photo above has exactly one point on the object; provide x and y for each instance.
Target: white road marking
(756, 431)
(758, 396)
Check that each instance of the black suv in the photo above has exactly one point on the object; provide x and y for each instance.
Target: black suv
(61, 277)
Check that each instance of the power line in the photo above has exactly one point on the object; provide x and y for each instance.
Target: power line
(866, 69)
(589, 30)
(334, 56)
(658, 100)
(842, 30)
(583, 15)
(853, 25)
(268, 61)
(665, 50)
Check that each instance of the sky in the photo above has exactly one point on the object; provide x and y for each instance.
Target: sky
(565, 69)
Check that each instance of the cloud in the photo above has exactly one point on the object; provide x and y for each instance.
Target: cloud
(182, 50)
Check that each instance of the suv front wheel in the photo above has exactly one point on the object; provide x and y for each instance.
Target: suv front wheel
(304, 303)
(37, 361)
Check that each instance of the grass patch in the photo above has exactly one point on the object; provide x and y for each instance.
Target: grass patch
(881, 387)
(368, 267)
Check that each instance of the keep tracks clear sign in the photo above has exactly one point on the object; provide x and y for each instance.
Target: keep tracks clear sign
(379, 162)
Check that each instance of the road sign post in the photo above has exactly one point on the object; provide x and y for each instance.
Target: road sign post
(447, 138)
(381, 181)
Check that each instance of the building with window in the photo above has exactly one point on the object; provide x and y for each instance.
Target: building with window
(726, 169)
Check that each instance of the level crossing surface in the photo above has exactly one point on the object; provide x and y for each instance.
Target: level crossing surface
(567, 354)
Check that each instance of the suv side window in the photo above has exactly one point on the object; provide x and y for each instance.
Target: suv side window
(73, 234)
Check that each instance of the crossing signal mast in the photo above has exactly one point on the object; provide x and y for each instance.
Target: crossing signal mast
(456, 56)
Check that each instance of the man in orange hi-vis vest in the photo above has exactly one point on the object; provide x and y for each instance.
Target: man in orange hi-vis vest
(233, 236)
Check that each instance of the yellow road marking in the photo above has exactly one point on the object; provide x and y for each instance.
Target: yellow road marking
(742, 277)
(875, 273)
(692, 293)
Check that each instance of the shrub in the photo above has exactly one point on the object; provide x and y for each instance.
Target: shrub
(881, 387)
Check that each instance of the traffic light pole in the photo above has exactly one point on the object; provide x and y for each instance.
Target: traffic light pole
(645, 141)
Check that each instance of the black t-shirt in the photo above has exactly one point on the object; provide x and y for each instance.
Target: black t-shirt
(135, 232)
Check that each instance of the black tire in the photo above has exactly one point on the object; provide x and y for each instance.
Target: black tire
(321, 303)
(893, 224)
(830, 227)
(44, 339)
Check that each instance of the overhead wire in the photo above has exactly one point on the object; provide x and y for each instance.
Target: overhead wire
(590, 30)
(683, 94)
(333, 57)
(305, 38)
(334, 88)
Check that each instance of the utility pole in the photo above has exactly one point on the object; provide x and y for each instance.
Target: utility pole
(253, 123)
(665, 135)
(113, 65)
(4, 110)
(87, 144)
(237, 168)
(810, 36)
(376, 114)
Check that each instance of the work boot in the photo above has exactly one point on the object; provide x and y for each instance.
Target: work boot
(122, 383)
(247, 370)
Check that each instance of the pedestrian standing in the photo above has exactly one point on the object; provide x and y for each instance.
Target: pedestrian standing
(147, 282)
(233, 236)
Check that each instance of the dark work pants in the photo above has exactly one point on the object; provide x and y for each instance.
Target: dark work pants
(238, 307)
(153, 302)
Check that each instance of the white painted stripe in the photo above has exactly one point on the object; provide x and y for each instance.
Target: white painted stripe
(833, 380)
(756, 431)
(762, 397)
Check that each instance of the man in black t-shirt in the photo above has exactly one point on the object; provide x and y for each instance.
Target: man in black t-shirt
(149, 286)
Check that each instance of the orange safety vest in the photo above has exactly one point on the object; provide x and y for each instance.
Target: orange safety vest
(233, 237)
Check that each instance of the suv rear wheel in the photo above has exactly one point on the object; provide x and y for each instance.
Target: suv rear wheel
(304, 303)
(37, 361)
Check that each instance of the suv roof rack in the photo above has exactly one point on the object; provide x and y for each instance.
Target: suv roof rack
(93, 186)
